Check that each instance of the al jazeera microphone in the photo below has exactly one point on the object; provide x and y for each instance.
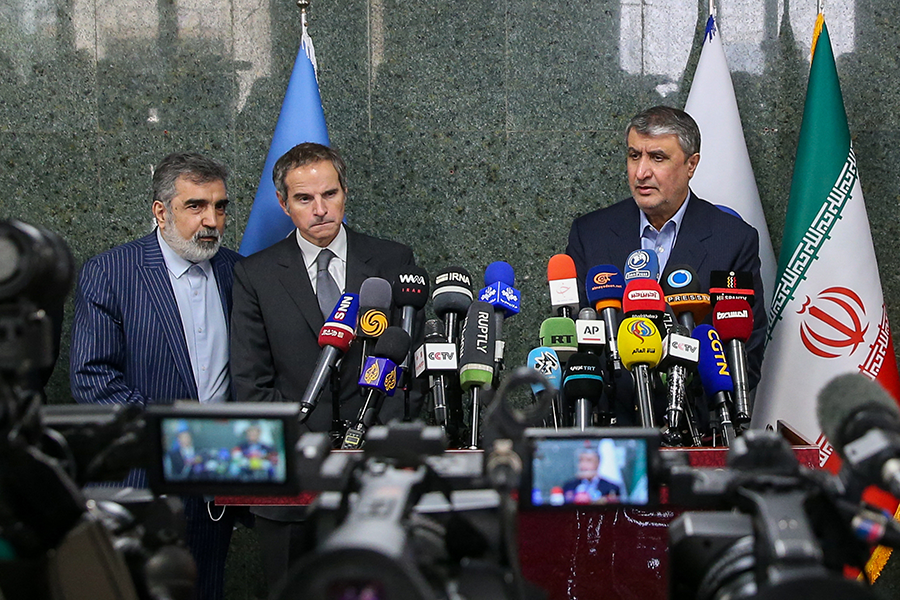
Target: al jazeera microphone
(604, 287)
(640, 347)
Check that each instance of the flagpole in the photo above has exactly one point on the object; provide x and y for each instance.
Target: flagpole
(303, 5)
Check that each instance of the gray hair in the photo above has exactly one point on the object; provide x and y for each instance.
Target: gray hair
(305, 154)
(665, 120)
(196, 167)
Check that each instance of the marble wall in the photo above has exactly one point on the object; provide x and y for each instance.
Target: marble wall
(474, 131)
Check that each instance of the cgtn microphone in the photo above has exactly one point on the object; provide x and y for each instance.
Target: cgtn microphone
(733, 319)
(437, 358)
(641, 264)
(604, 288)
(499, 279)
(862, 422)
(563, 282)
(715, 377)
(641, 349)
(476, 360)
(683, 293)
(729, 285)
(335, 338)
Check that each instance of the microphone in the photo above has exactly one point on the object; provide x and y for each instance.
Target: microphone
(590, 333)
(436, 357)
(641, 349)
(450, 299)
(731, 285)
(862, 422)
(499, 279)
(683, 293)
(714, 375)
(582, 386)
(644, 298)
(380, 377)
(374, 308)
(604, 287)
(410, 294)
(335, 337)
(733, 319)
(545, 360)
(680, 353)
(560, 334)
(563, 282)
(476, 359)
(641, 264)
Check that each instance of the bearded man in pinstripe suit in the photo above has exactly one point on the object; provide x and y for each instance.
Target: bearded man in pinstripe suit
(151, 324)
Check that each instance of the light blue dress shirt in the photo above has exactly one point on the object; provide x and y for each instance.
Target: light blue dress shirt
(661, 242)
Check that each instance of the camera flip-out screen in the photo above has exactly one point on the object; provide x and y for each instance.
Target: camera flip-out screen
(595, 467)
(230, 449)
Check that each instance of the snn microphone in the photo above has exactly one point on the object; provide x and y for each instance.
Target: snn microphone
(563, 280)
(733, 319)
(604, 287)
(476, 370)
(641, 349)
(715, 376)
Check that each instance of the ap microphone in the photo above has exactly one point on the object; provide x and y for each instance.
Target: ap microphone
(590, 332)
(436, 358)
(476, 359)
(545, 360)
(604, 288)
(683, 293)
(641, 349)
(334, 338)
(499, 279)
(582, 387)
(642, 264)
(715, 377)
(380, 377)
(644, 298)
(733, 319)
(862, 422)
(680, 355)
(374, 308)
(560, 334)
(729, 285)
(563, 282)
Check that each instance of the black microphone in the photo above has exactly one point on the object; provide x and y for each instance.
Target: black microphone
(476, 360)
(862, 422)
(680, 355)
(436, 357)
(410, 295)
(582, 387)
(374, 308)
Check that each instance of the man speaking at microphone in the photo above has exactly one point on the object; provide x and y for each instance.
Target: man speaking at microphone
(282, 296)
(665, 217)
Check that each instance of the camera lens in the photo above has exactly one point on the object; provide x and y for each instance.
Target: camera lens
(35, 264)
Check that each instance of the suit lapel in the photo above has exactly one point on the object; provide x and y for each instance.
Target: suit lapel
(690, 248)
(224, 279)
(358, 267)
(295, 280)
(156, 281)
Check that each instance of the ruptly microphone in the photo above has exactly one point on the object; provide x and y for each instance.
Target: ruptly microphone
(499, 292)
(335, 338)
(604, 288)
(374, 307)
(733, 319)
(644, 298)
(641, 264)
(582, 387)
(380, 378)
(862, 422)
(545, 360)
(590, 332)
(641, 349)
(730, 285)
(563, 282)
(560, 334)
(437, 358)
(683, 293)
(476, 360)
(715, 376)
(680, 354)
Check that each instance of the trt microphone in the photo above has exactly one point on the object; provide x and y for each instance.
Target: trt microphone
(862, 422)
(715, 376)
(604, 288)
(582, 387)
(733, 319)
(499, 279)
(374, 308)
(476, 360)
(563, 282)
(334, 338)
(680, 355)
(641, 349)
(590, 332)
(725, 285)
(380, 377)
(545, 360)
(560, 334)
(644, 298)
(436, 358)
(683, 293)
(642, 264)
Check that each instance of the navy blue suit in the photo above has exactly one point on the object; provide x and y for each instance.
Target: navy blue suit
(128, 346)
(709, 240)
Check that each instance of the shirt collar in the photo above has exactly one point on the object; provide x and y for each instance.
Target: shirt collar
(310, 251)
(676, 219)
(176, 264)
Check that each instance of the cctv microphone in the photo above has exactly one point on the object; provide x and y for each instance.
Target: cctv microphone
(604, 288)
(715, 377)
(335, 337)
(683, 293)
(641, 264)
(450, 298)
(582, 387)
(560, 334)
(729, 285)
(641, 349)
(590, 332)
(545, 360)
(680, 355)
(476, 360)
(862, 422)
(374, 308)
(733, 319)
(380, 377)
(436, 357)
(563, 282)
(644, 298)
(499, 279)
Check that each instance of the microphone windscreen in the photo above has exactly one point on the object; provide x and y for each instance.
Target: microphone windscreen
(393, 344)
(848, 395)
(476, 359)
(639, 342)
(452, 291)
(680, 279)
(546, 361)
(411, 287)
(375, 292)
(434, 331)
(339, 329)
(731, 284)
(712, 365)
(587, 314)
(583, 377)
(642, 264)
(500, 271)
(604, 282)
(561, 266)
(560, 334)
(733, 319)
(643, 295)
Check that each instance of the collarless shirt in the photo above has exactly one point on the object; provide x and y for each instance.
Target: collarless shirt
(663, 241)
(202, 320)
(338, 265)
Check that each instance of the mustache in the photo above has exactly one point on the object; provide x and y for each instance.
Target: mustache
(207, 232)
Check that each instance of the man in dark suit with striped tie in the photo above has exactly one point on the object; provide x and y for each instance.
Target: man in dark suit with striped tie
(151, 324)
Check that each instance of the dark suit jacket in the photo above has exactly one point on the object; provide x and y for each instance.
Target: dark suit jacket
(709, 240)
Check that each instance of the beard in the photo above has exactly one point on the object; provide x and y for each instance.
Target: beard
(193, 249)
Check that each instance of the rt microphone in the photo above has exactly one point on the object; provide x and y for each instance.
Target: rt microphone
(862, 422)
(563, 282)
(476, 360)
(642, 264)
(436, 357)
(560, 334)
(683, 293)
(715, 377)
(604, 287)
(641, 349)
(374, 308)
(499, 279)
(335, 337)
(733, 319)
(582, 387)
